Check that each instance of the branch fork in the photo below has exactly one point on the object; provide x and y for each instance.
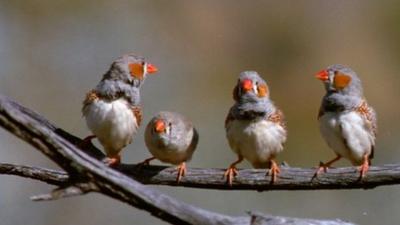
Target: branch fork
(83, 172)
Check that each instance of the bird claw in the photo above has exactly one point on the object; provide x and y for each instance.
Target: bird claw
(325, 166)
(321, 168)
(273, 172)
(181, 172)
(230, 173)
(112, 161)
(363, 169)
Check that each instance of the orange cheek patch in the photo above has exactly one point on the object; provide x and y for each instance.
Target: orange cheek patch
(262, 90)
(136, 70)
(341, 80)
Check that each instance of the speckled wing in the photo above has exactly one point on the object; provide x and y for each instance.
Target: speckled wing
(278, 117)
(369, 114)
(91, 96)
(137, 113)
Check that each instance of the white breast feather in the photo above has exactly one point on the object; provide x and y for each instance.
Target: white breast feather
(349, 126)
(113, 123)
(256, 141)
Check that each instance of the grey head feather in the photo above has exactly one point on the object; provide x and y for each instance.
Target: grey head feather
(179, 127)
(117, 82)
(119, 70)
(344, 99)
(256, 80)
(249, 105)
(250, 74)
(354, 88)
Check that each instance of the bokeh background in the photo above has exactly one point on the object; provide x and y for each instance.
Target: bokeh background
(53, 52)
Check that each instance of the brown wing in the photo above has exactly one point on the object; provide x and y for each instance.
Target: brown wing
(278, 117)
(369, 114)
(137, 112)
(91, 96)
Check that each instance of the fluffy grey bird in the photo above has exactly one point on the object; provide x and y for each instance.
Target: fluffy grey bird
(347, 123)
(255, 128)
(112, 109)
(171, 138)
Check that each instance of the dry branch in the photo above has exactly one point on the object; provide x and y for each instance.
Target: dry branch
(85, 173)
(248, 179)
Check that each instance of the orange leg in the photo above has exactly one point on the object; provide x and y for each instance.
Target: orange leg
(273, 171)
(231, 172)
(323, 167)
(181, 172)
(112, 161)
(364, 167)
(86, 141)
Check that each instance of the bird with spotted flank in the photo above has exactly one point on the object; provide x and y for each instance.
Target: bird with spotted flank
(255, 127)
(112, 109)
(346, 121)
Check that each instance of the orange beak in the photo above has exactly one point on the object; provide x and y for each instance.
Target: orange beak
(322, 75)
(151, 68)
(247, 85)
(159, 126)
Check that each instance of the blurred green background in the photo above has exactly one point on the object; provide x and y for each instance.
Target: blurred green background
(53, 52)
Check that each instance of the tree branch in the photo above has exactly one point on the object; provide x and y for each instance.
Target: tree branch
(71, 191)
(54, 177)
(248, 179)
(87, 174)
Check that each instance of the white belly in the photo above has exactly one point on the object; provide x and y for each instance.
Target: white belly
(347, 134)
(113, 123)
(256, 141)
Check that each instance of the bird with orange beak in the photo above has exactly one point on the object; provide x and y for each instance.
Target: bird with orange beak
(255, 127)
(171, 138)
(112, 109)
(346, 121)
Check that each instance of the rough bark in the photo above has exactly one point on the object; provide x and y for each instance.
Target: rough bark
(248, 179)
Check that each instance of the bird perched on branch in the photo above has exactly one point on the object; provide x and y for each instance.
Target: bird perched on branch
(255, 128)
(347, 123)
(112, 109)
(171, 138)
